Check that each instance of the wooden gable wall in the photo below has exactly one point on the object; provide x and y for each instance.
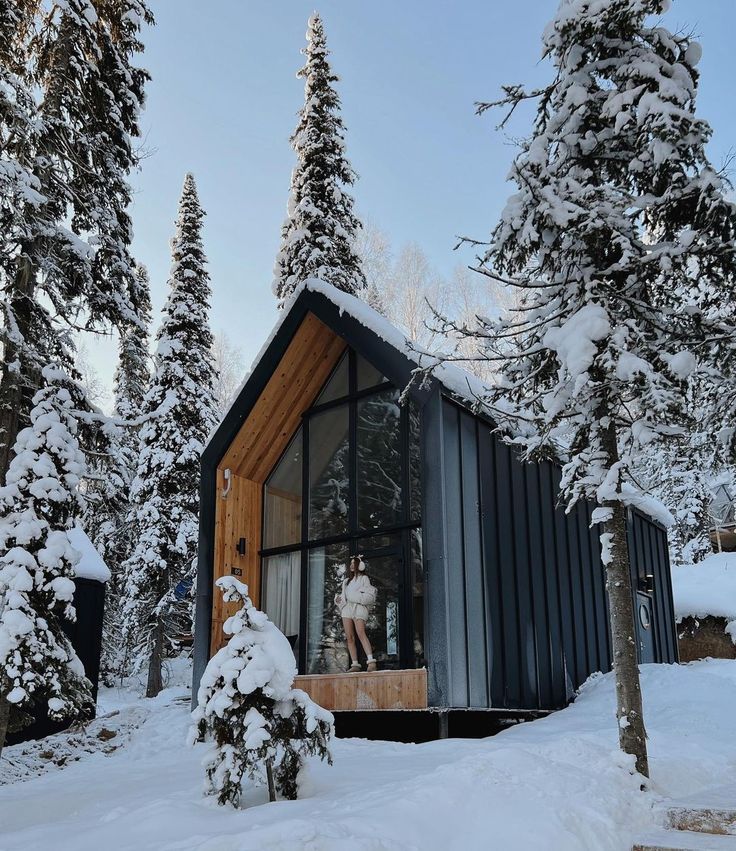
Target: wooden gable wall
(309, 359)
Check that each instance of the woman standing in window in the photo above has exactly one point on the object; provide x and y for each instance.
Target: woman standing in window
(355, 600)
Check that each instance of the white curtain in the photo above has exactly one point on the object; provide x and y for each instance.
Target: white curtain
(283, 574)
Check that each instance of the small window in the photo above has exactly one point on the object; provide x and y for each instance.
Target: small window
(337, 383)
(283, 499)
(368, 375)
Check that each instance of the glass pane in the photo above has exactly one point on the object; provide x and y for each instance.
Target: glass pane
(415, 467)
(368, 375)
(382, 624)
(328, 473)
(281, 586)
(283, 499)
(417, 597)
(327, 651)
(379, 461)
(337, 383)
(327, 642)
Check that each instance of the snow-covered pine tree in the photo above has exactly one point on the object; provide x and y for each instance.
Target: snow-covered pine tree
(72, 250)
(619, 231)
(263, 728)
(181, 411)
(318, 236)
(37, 505)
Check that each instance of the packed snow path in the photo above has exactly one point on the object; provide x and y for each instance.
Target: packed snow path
(557, 783)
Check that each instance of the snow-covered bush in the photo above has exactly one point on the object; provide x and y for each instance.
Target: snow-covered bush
(263, 728)
(37, 506)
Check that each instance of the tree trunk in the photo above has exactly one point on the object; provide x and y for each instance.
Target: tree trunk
(16, 371)
(155, 681)
(631, 733)
(271, 784)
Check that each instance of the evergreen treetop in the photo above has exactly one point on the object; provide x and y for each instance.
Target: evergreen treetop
(318, 236)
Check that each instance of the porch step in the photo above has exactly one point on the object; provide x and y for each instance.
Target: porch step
(710, 811)
(702, 819)
(683, 840)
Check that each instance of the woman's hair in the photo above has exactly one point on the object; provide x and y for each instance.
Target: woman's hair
(355, 572)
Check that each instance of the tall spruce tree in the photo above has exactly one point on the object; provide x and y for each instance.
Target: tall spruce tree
(112, 470)
(68, 116)
(318, 236)
(620, 239)
(38, 666)
(181, 412)
(68, 255)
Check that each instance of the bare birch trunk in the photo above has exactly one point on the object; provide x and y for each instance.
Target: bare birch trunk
(632, 735)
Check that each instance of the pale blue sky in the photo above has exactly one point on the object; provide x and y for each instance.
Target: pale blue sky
(223, 101)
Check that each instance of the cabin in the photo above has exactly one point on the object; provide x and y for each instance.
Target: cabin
(490, 598)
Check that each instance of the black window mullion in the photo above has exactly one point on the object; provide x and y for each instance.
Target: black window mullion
(303, 596)
(352, 447)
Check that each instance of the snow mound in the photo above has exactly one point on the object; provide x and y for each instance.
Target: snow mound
(707, 588)
(558, 784)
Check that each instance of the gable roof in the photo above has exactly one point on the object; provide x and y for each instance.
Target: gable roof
(365, 330)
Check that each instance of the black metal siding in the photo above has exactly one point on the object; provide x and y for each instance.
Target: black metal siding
(85, 634)
(649, 557)
(525, 603)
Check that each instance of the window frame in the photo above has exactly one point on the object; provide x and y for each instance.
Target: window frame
(354, 534)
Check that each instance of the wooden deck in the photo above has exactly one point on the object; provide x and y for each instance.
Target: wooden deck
(379, 690)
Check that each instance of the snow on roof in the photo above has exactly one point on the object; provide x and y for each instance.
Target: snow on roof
(461, 383)
(90, 565)
(708, 588)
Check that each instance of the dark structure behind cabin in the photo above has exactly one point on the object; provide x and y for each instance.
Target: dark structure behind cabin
(85, 634)
(483, 580)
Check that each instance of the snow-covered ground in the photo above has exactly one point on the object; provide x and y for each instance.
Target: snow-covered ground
(708, 588)
(557, 783)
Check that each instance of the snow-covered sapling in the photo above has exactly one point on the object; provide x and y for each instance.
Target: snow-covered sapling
(263, 728)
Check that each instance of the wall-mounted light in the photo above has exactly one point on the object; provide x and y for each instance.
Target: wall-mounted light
(228, 474)
(241, 546)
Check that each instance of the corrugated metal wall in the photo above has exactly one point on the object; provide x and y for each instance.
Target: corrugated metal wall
(522, 589)
(649, 558)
